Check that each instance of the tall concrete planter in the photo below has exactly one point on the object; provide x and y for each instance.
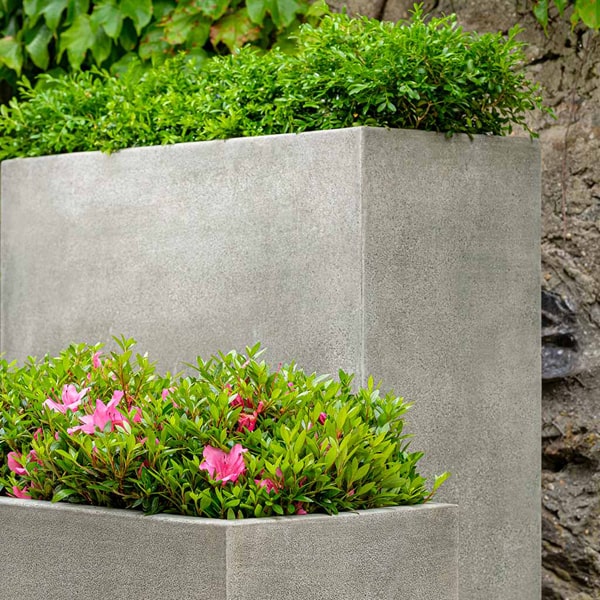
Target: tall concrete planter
(400, 254)
(61, 552)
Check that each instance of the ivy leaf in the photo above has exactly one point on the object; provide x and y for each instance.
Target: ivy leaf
(234, 30)
(283, 12)
(589, 12)
(287, 11)
(139, 11)
(256, 10)
(33, 8)
(77, 40)
(214, 9)
(101, 46)
(128, 38)
(11, 54)
(540, 10)
(53, 11)
(178, 27)
(108, 16)
(75, 8)
(153, 44)
(561, 5)
(37, 48)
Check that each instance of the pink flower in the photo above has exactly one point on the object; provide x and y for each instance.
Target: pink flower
(17, 493)
(269, 484)
(299, 509)
(96, 360)
(137, 414)
(36, 433)
(14, 463)
(322, 418)
(70, 398)
(223, 466)
(102, 415)
(246, 421)
(166, 392)
(236, 401)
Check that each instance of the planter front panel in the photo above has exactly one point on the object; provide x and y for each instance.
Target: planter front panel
(189, 249)
(63, 552)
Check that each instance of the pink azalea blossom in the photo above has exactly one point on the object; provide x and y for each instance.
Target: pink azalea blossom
(14, 463)
(322, 418)
(299, 509)
(37, 433)
(166, 392)
(269, 484)
(96, 363)
(246, 422)
(137, 414)
(223, 466)
(102, 415)
(70, 400)
(18, 493)
(237, 401)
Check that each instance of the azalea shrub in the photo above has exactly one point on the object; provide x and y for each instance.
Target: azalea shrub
(423, 74)
(234, 439)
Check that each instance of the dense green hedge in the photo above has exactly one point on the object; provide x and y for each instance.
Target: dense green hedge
(347, 72)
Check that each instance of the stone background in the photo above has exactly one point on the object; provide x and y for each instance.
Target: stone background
(567, 64)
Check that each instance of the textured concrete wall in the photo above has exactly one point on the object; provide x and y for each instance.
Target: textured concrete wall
(64, 552)
(401, 254)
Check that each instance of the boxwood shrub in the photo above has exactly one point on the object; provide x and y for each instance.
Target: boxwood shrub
(235, 439)
(421, 74)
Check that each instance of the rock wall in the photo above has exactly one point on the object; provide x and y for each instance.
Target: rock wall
(567, 64)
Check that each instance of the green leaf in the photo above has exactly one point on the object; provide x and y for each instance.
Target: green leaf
(287, 11)
(101, 46)
(75, 8)
(77, 40)
(589, 12)
(214, 9)
(561, 5)
(37, 48)
(11, 54)
(62, 494)
(234, 30)
(256, 10)
(108, 16)
(53, 11)
(178, 28)
(540, 10)
(139, 11)
(33, 8)
(128, 38)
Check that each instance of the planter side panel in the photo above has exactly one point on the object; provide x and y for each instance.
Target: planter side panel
(60, 552)
(190, 249)
(452, 322)
(386, 554)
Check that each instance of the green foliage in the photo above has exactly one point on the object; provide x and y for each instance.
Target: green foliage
(347, 72)
(322, 447)
(585, 11)
(37, 35)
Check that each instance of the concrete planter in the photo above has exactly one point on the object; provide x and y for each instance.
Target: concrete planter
(61, 552)
(400, 254)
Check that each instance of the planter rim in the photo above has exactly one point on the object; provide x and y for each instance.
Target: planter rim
(456, 137)
(204, 521)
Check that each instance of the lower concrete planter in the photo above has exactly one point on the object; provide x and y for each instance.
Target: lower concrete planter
(61, 552)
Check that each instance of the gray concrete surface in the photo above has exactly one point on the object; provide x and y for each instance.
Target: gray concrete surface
(65, 552)
(400, 254)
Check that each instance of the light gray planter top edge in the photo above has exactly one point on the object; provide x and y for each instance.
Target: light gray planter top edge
(133, 514)
(410, 133)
